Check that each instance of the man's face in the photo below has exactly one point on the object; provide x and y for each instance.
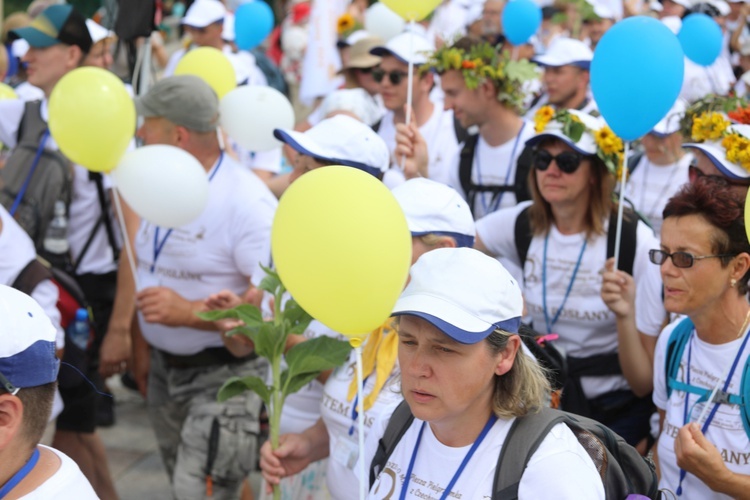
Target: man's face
(100, 55)
(671, 8)
(46, 66)
(157, 130)
(597, 28)
(394, 94)
(210, 36)
(467, 105)
(366, 81)
(491, 13)
(564, 83)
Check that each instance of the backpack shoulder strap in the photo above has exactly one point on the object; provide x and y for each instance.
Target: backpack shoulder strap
(524, 437)
(462, 134)
(523, 165)
(376, 126)
(678, 339)
(522, 232)
(745, 395)
(397, 426)
(34, 273)
(465, 165)
(628, 239)
(634, 160)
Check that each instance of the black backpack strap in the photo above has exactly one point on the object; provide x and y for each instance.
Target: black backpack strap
(523, 235)
(523, 165)
(628, 239)
(524, 437)
(376, 125)
(465, 166)
(397, 426)
(104, 218)
(461, 133)
(34, 273)
(634, 160)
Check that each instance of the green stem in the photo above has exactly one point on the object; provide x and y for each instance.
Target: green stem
(275, 413)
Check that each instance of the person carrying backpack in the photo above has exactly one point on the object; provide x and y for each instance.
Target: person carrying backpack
(562, 242)
(701, 361)
(466, 384)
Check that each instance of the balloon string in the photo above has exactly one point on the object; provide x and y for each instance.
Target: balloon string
(124, 231)
(410, 83)
(621, 205)
(361, 424)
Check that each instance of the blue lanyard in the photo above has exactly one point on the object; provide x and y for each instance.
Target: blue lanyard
(567, 292)
(355, 413)
(711, 415)
(495, 204)
(159, 245)
(449, 488)
(20, 475)
(25, 186)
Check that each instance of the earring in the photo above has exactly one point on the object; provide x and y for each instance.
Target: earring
(732, 282)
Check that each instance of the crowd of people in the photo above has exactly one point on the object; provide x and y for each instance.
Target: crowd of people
(507, 175)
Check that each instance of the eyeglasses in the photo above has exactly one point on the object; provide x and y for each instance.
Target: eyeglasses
(7, 386)
(395, 76)
(694, 173)
(567, 161)
(680, 259)
(365, 71)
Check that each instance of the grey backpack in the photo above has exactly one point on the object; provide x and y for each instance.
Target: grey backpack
(34, 178)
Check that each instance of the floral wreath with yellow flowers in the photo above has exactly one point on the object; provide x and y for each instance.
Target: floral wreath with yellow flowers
(713, 103)
(346, 25)
(609, 147)
(485, 62)
(714, 126)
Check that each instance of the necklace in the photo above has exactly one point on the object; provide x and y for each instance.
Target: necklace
(744, 324)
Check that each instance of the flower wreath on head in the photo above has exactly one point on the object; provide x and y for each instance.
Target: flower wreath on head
(718, 104)
(609, 147)
(715, 127)
(484, 62)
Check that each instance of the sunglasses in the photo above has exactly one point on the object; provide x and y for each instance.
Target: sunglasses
(567, 161)
(7, 386)
(680, 259)
(694, 173)
(395, 77)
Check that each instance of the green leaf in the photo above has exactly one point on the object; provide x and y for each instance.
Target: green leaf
(217, 315)
(265, 338)
(271, 281)
(317, 355)
(521, 71)
(576, 130)
(296, 382)
(237, 385)
(301, 326)
(249, 314)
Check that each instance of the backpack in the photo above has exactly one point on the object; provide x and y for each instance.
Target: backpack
(678, 339)
(466, 164)
(271, 71)
(602, 364)
(70, 300)
(34, 178)
(622, 469)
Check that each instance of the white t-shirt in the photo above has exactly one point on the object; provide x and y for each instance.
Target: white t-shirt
(560, 460)
(651, 186)
(27, 92)
(586, 326)
(67, 483)
(493, 166)
(219, 250)
(442, 145)
(269, 161)
(336, 410)
(700, 81)
(84, 208)
(17, 251)
(243, 62)
(709, 363)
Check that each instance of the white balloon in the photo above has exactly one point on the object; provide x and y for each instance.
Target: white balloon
(249, 115)
(165, 185)
(383, 22)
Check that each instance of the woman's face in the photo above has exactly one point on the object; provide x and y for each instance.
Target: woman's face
(302, 165)
(446, 383)
(703, 166)
(690, 290)
(558, 187)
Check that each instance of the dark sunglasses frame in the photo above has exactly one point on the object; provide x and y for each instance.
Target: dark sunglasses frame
(7, 386)
(395, 76)
(659, 257)
(567, 161)
(695, 172)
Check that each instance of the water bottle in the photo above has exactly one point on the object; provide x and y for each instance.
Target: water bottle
(56, 237)
(79, 333)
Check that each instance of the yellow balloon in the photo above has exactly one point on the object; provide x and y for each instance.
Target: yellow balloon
(342, 248)
(210, 64)
(92, 118)
(412, 10)
(7, 92)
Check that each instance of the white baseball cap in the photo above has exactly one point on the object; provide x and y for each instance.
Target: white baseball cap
(97, 31)
(434, 208)
(566, 51)
(464, 293)
(406, 47)
(341, 140)
(355, 101)
(227, 30)
(602, 10)
(203, 13)
(27, 342)
(353, 38)
(717, 154)
(585, 145)
(671, 121)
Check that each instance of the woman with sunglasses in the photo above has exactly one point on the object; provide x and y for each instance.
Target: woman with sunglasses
(704, 258)
(609, 339)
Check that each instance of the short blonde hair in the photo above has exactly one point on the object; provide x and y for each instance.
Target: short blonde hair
(433, 240)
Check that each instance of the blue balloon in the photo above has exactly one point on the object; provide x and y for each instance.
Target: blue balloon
(521, 19)
(636, 75)
(253, 22)
(701, 39)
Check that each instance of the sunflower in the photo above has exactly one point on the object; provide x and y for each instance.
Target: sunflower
(709, 127)
(542, 118)
(345, 23)
(607, 141)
